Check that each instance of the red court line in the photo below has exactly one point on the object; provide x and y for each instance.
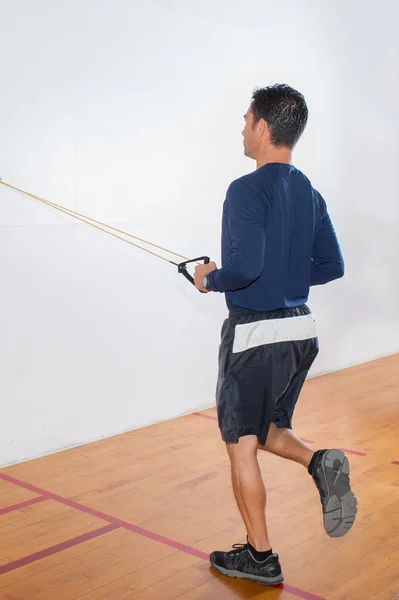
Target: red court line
(105, 517)
(297, 592)
(353, 452)
(13, 507)
(197, 414)
(115, 524)
(27, 560)
(395, 462)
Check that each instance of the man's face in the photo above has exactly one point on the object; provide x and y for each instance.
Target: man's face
(251, 140)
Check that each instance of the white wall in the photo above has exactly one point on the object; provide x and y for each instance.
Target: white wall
(131, 112)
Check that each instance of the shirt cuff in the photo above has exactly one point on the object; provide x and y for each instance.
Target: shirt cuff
(211, 280)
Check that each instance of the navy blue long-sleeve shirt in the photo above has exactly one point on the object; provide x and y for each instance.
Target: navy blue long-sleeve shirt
(277, 241)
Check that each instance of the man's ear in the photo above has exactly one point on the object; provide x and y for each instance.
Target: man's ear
(261, 128)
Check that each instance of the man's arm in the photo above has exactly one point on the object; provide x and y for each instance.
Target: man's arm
(327, 259)
(246, 223)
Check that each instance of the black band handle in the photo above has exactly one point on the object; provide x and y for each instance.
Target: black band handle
(182, 268)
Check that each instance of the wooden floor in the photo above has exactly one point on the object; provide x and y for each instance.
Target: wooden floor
(136, 516)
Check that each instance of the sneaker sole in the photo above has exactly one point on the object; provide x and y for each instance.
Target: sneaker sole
(257, 579)
(341, 507)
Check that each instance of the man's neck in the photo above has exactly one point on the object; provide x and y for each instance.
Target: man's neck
(279, 155)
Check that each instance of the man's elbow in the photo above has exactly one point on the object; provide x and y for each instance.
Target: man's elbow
(336, 271)
(339, 269)
(323, 273)
(248, 275)
(241, 279)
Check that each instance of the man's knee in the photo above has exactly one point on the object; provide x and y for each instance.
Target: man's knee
(246, 447)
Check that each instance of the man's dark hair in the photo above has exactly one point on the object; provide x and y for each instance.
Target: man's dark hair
(284, 110)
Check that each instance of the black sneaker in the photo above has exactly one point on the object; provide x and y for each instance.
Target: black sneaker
(240, 563)
(330, 472)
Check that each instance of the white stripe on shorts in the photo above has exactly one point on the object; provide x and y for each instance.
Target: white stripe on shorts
(259, 333)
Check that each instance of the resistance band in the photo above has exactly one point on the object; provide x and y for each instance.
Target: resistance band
(181, 266)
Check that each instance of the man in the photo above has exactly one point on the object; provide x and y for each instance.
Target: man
(277, 241)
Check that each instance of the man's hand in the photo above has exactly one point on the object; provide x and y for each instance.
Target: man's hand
(199, 273)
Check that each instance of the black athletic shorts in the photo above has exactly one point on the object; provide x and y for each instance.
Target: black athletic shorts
(264, 358)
